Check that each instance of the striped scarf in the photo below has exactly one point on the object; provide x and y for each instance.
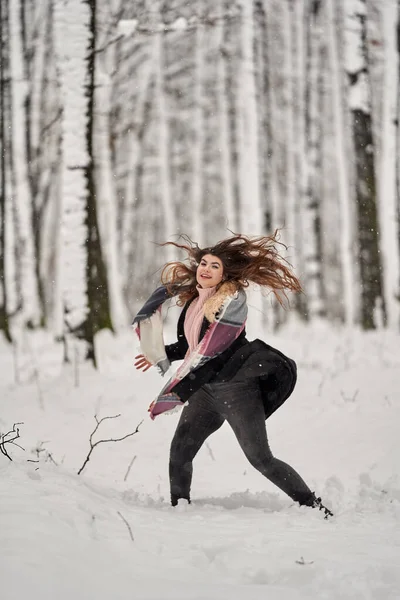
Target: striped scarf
(226, 324)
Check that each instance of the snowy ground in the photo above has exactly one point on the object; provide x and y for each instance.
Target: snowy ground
(64, 535)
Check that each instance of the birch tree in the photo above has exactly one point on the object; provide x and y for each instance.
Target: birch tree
(84, 279)
(98, 316)
(26, 269)
(224, 120)
(311, 229)
(168, 207)
(71, 60)
(251, 213)
(357, 69)
(198, 131)
(389, 226)
(249, 164)
(347, 234)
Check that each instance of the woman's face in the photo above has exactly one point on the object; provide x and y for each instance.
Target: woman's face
(210, 271)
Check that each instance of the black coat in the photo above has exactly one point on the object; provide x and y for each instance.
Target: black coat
(276, 372)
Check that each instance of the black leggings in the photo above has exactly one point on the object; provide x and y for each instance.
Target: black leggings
(240, 403)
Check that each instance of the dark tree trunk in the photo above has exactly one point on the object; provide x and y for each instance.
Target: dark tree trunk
(5, 128)
(97, 286)
(370, 265)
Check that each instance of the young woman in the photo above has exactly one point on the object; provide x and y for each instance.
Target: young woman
(223, 375)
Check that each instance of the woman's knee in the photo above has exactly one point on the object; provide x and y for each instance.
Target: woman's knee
(262, 461)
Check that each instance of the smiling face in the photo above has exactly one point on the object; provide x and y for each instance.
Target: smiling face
(210, 271)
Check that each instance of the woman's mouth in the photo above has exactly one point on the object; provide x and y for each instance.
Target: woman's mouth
(205, 276)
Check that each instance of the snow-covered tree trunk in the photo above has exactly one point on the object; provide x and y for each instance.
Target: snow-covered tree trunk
(198, 142)
(224, 129)
(168, 205)
(251, 215)
(73, 16)
(28, 284)
(347, 237)
(275, 52)
(357, 69)
(389, 227)
(290, 200)
(299, 32)
(311, 230)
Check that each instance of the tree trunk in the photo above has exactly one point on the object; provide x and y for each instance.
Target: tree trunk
(99, 315)
(105, 187)
(27, 272)
(347, 236)
(168, 206)
(251, 217)
(198, 142)
(4, 167)
(398, 143)
(389, 242)
(365, 187)
(311, 230)
(224, 128)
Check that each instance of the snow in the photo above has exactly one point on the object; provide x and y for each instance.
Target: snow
(66, 535)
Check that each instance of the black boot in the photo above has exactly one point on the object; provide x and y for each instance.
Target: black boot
(317, 503)
(175, 498)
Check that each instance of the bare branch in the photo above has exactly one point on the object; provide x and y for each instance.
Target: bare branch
(9, 438)
(94, 444)
(129, 468)
(127, 524)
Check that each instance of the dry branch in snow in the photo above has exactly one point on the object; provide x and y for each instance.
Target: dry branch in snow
(128, 526)
(94, 444)
(9, 438)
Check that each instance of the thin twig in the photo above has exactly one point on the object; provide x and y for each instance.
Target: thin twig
(5, 439)
(127, 524)
(129, 468)
(93, 445)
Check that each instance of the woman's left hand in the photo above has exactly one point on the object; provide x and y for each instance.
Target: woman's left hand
(142, 362)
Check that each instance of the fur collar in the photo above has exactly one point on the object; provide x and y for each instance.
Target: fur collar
(213, 304)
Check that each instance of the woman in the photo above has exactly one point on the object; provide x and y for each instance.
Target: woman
(223, 375)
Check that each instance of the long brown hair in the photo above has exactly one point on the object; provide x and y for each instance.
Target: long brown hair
(245, 260)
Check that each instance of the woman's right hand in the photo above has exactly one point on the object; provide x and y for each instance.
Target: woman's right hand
(142, 362)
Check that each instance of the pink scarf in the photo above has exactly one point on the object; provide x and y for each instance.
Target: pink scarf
(195, 315)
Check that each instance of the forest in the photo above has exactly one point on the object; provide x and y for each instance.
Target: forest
(126, 124)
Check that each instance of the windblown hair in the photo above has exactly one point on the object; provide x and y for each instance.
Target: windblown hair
(245, 260)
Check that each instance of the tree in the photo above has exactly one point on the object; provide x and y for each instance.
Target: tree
(397, 121)
(341, 153)
(311, 229)
(357, 68)
(386, 167)
(5, 167)
(84, 277)
(99, 315)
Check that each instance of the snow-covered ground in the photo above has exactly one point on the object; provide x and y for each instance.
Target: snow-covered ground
(64, 535)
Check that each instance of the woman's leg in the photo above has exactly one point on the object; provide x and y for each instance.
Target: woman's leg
(240, 403)
(199, 419)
